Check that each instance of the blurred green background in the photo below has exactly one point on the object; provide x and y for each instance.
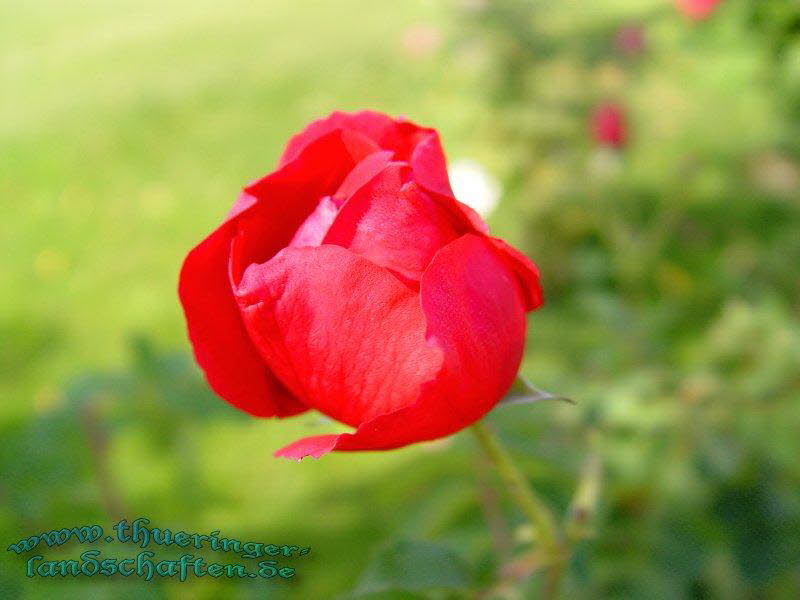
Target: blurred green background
(670, 269)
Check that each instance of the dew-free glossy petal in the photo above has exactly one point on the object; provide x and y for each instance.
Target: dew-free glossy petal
(343, 334)
(393, 223)
(475, 313)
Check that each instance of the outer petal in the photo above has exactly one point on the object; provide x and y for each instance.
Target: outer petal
(223, 349)
(269, 212)
(527, 273)
(419, 146)
(475, 314)
(342, 333)
(393, 223)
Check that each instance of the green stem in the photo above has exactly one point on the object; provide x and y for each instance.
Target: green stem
(540, 516)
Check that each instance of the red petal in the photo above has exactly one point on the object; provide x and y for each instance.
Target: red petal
(393, 223)
(473, 218)
(527, 273)
(289, 196)
(430, 165)
(468, 219)
(342, 333)
(361, 175)
(223, 349)
(369, 123)
(316, 225)
(262, 220)
(315, 446)
(475, 314)
(419, 146)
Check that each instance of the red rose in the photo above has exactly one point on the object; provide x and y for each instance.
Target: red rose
(351, 281)
(608, 125)
(697, 9)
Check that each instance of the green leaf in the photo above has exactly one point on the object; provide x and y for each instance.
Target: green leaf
(413, 566)
(523, 391)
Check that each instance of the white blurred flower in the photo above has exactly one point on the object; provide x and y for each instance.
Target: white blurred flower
(474, 186)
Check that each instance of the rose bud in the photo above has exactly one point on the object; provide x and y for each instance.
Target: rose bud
(697, 9)
(351, 281)
(608, 125)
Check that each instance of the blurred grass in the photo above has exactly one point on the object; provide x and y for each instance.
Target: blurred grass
(670, 273)
(128, 127)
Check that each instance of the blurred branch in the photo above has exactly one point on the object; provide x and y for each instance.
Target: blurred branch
(583, 508)
(97, 439)
(492, 511)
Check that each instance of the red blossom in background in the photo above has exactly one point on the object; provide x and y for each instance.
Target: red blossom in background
(351, 281)
(608, 125)
(698, 9)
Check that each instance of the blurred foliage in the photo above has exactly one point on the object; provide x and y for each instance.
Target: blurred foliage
(413, 567)
(670, 266)
(670, 269)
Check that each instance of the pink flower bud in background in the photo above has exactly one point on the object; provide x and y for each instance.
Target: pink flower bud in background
(630, 40)
(421, 40)
(697, 9)
(608, 125)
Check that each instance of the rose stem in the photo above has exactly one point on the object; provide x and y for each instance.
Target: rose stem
(535, 509)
